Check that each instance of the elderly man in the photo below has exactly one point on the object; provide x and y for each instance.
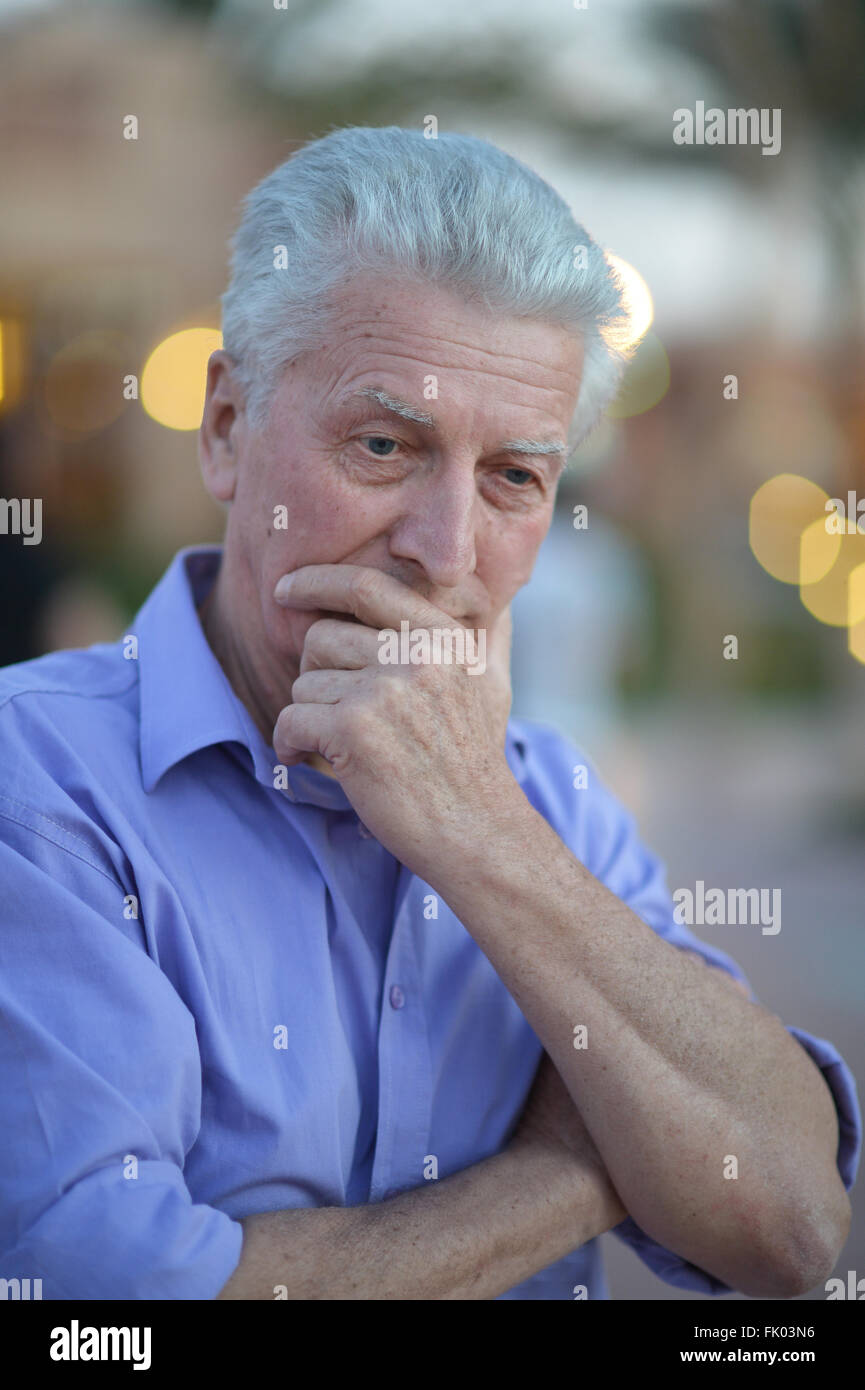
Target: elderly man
(320, 976)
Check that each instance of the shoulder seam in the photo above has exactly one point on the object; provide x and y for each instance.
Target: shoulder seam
(51, 839)
(77, 694)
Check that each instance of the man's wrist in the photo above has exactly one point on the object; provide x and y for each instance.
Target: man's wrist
(586, 1200)
(473, 1235)
(497, 811)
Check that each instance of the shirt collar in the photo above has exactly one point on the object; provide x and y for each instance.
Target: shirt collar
(187, 702)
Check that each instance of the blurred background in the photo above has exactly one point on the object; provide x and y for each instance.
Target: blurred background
(129, 133)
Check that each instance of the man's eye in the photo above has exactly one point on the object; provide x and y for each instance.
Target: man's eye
(374, 439)
(524, 476)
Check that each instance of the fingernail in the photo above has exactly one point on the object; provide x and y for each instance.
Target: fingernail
(283, 588)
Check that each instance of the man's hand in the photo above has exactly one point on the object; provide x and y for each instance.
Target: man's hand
(416, 748)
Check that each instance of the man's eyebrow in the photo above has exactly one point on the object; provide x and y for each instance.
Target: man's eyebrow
(532, 446)
(393, 404)
(406, 411)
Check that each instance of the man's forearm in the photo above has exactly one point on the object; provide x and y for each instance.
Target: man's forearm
(470, 1236)
(679, 1073)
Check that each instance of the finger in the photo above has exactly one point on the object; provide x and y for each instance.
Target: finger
(331, 644)
(302, 729)
(323, 687)
(376, 599)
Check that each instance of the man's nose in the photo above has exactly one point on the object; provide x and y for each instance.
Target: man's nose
(438, 527)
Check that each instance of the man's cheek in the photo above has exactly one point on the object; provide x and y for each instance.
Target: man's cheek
(291, 627)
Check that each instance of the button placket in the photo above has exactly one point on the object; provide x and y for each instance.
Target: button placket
(405, 1068)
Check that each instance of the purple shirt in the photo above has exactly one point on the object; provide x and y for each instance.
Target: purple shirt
(221, 996)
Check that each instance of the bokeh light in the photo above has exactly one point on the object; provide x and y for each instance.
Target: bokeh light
(175, 375)
(646, 380)
(782, 511)
(856, 604)
(11, 366)
(833, 599)
(83, 386)
(638, 302)
(818, 552)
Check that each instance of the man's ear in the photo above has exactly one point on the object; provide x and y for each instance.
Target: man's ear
(221, 428)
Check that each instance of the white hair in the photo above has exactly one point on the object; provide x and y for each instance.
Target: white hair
(455, 211)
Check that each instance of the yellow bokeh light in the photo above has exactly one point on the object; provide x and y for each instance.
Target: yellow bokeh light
(638, 304)
(782, 511)
(856, 604)
(818, 551)
(646, 380)
(175, 375)
(833, 599)
(11, 366)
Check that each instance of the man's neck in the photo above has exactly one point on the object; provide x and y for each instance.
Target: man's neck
(263, 696)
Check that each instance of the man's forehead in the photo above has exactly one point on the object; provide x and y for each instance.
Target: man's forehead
(543, 355)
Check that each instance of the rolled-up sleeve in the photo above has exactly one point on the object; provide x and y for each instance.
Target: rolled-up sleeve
(604, 836)
(100, 1093)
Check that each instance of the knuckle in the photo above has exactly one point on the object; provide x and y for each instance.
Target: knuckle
(283, 720)
(315, 644)
(363, 586)
(359, 720)
(282, 729)
(391, 695)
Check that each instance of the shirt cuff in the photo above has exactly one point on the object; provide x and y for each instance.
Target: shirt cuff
(684, 1275)
(139, 1238)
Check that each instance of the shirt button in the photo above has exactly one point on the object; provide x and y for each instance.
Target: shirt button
(397, 998)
